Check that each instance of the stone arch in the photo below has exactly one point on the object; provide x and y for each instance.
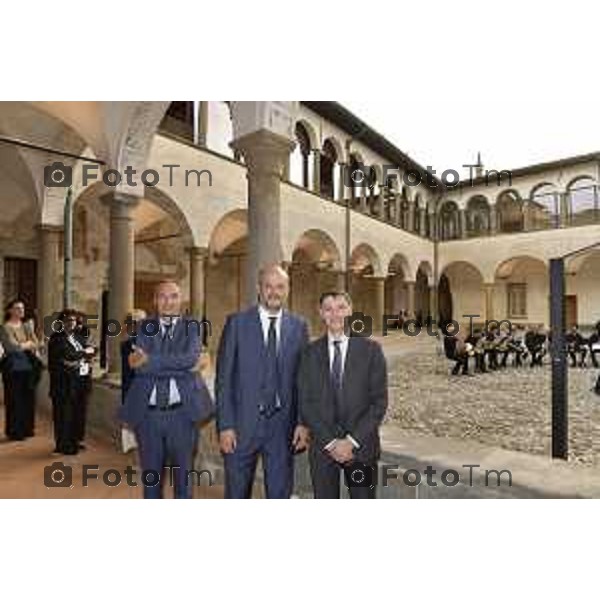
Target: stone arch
(423, 282)
(543, 206)
(319, 248)
(582, 200)
(226, 269)
(397, 291)
(311, 133)
(449, 221)
(510, 212)
(364, 260)
(231, 228)
(521, 289)
(315, 269)
(339, 148)
(465, 286)
(300, 158)
(582, 275)
(478, 216)
(329, 174)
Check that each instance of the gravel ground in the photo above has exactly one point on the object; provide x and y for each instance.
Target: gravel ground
(509, 408)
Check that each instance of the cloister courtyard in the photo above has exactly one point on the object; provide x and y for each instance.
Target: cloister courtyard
(508, 408)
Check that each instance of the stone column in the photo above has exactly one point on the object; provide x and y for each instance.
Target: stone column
(433, 225)
(398, 209)
(342, 185)
(410, 218)
(410, 298)
(203, 123)
(433, 302)
(488, 289)
(381, 203)
(422, 221)
(316, 183)
(197, 272)
(378, 291)
(121, 269)
(49, 272)
(493, 220)
(563, 207)
(526, 216)
(265, 154)
(462, 216)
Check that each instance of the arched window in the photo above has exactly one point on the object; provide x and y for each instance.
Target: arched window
(300, 159)
(329, 159)
(449, 226)
(544, 207)
(478, 217)
(181, 118)
(509, 209)
(582, 201)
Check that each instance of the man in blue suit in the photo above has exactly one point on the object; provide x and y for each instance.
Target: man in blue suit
(167, 397)
(257, 407)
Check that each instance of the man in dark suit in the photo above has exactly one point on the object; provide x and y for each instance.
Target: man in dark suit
(343, 398)
(257, 414)
(167, 397)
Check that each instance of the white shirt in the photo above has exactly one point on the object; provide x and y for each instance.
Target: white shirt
(265, 315)
(174, 397)
(344, 340)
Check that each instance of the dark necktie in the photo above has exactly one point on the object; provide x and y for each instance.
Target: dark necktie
(270, 400)
(163, 384)
(336, 378)
(336, 366)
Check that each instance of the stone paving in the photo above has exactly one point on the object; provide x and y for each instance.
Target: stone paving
(510, 408)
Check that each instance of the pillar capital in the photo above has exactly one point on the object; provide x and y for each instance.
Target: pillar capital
(50, 228)
(120, 203)
(197, 252)
(265, 152)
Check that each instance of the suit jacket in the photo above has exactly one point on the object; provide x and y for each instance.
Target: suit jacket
(173, 357)
(364, 396)
(240, 381)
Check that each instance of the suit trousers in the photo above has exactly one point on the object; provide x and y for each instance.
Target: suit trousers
(19, 403)
(325, 474)
(161, 436)
(271, 441)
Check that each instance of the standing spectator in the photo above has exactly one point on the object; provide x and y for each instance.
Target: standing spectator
(69, 365)
(21, 370)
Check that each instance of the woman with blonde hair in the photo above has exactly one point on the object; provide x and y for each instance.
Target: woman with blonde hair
(21, 370)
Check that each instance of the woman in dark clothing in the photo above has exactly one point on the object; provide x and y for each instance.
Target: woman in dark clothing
(21, 370)
(69, 366)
